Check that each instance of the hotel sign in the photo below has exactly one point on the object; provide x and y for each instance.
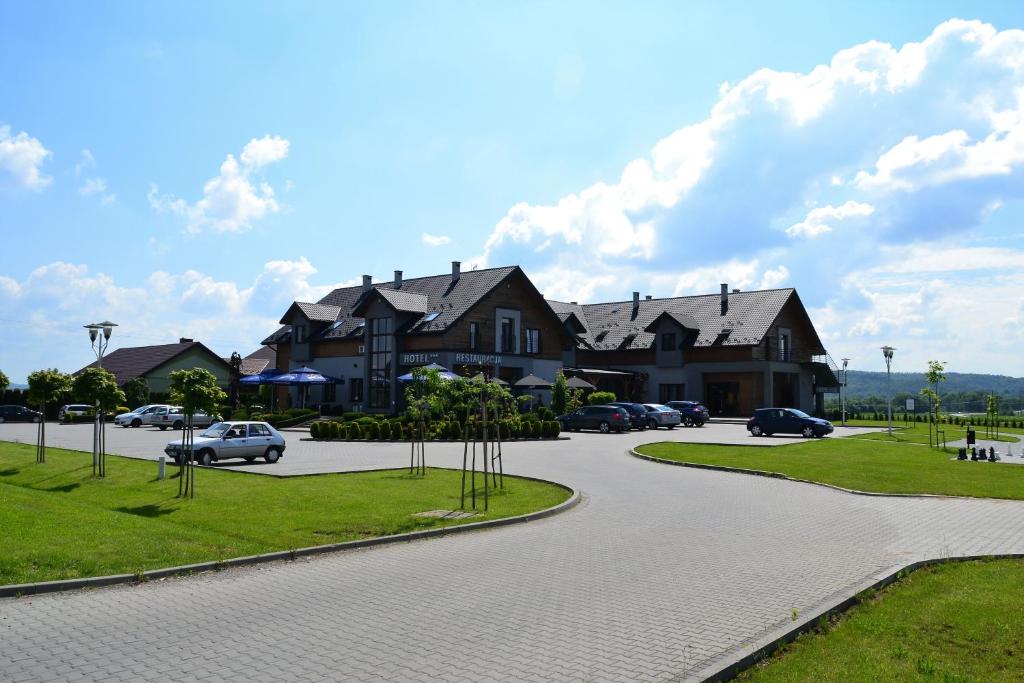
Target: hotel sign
(478, 358)
(419, 358)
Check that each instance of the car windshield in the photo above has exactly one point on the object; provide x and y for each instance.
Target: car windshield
(658, 409)
(798, 413)
(216, 430)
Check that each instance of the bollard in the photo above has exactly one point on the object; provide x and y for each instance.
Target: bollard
(162, 467)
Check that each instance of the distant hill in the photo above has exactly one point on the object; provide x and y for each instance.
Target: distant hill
(865, 384)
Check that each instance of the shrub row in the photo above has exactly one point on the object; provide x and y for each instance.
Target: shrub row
(289, 418)
(397, 430)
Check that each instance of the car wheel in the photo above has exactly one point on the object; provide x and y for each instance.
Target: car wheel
(178, 425)
(652, 424)
(807, 432)
(136, 422)
(687, 421)
(672, 426)
(272, 455)
(206, 458)
(250, 458)
(1, 419)
(604, 427)
(756, 430)
(163, 428)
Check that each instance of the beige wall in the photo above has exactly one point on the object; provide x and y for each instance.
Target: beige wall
(159, 378)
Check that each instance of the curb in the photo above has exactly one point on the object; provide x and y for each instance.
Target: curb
(779, 475)
(23, 589)
(780, 637)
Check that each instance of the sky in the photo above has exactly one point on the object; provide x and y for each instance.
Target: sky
(188, 169)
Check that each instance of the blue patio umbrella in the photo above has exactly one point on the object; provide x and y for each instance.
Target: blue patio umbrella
(303, 377)
(261, 378)
(444, 372)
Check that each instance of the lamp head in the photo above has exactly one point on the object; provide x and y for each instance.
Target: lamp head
(108, 328)
(887, 352)
(94, 330)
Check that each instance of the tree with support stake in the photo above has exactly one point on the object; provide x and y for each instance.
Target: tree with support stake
(98, 387)
(480, 427)
(936, 373)
(418, 455)
(46, 386)
(193, 390)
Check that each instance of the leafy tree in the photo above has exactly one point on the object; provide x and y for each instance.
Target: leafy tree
(99, 388)
(4, 382)
(936, 373)
(46, 386)
(195, 389)
(575, 401)
(559, 394)
(136, 391)
(236, 376)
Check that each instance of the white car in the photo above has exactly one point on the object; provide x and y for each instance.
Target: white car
(76, 409)
(659, 415)
(175, 418)
(141, 415)
(224, 440)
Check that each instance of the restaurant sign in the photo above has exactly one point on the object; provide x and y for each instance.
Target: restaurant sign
(478, 359)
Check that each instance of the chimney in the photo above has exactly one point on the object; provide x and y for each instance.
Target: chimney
(725, 298)
(456, 270)
(636, 300)
(735, 290)
(648, 297)
(398, 279)
(185, 340)
(367, 282)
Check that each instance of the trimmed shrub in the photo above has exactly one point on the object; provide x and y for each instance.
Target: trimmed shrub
(600, 398)
(355, 432)
(545, 413)
(551, 429)
(314, 429)
(371, 431)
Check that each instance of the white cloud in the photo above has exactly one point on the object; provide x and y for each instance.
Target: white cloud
(234, 199)
(86, 160)
(435, 240)
(92, 186)
(821, 219)
(21, 160)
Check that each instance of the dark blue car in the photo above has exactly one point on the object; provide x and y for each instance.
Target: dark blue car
(694, 414)
(768, 421)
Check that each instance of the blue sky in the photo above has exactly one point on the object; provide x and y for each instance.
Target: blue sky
(188, 169)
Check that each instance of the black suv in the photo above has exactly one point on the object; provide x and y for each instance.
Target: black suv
(602, 418)
(19, 414)
(693, 413)
(637, 414)
(768, 421)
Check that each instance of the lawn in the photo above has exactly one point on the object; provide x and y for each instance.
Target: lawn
(917, 432)
(58, 522)
(954, 622)
(878, 466)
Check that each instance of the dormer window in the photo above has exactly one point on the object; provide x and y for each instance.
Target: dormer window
(429, 317)
(299, 334)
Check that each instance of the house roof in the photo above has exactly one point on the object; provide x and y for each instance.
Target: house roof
(318, 312)
(259, 360)
(400, 300)
(447, 298)
(130, 362)
(615, 325)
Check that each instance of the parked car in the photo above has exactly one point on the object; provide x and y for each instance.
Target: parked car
(768, 421)
(694, 414)
(659, 415)
(133, 418)
(175, 418)
(602, 418)
(226, 440)
(637, 414)
(76, 409)
(19, 414)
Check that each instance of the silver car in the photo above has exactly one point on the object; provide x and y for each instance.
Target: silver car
(659, 415)
(175, 418)
(225, 440)
(134, 418)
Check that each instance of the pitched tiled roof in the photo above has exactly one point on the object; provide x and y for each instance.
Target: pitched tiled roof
(448, 299)
(403, 301)
(259, 360)
(318, 312)
(130, 362)
(614, 325)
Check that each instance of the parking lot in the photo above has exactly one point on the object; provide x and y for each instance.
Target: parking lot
(304, 456)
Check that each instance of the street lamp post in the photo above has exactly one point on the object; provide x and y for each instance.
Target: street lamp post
(99, 337)
(842, 385)
(887, 351)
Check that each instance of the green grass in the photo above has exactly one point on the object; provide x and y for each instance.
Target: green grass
(949, 623)
(876, 466)
(917, 432)
(57, 522)
(922, 427)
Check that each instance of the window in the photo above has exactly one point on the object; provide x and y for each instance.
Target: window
(355, 390)
(474, 336)
(431, 316)
(329, 393)
(508, 335)
(258, 430)
(671, 392)
(299, 332)
(532, 341)
(668, 341)
(381, 345)
(785, 344)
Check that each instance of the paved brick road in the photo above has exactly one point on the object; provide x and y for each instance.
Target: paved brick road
(662, 572)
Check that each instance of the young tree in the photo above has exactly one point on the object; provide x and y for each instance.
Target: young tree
(936, 373)
(99, 388)
(136, 391)
(4, 383)
(236, 377)
(46, 386)
(575, 401)
(559, 394)
(193, 390)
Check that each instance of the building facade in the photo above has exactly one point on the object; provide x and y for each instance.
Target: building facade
(735, 351)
